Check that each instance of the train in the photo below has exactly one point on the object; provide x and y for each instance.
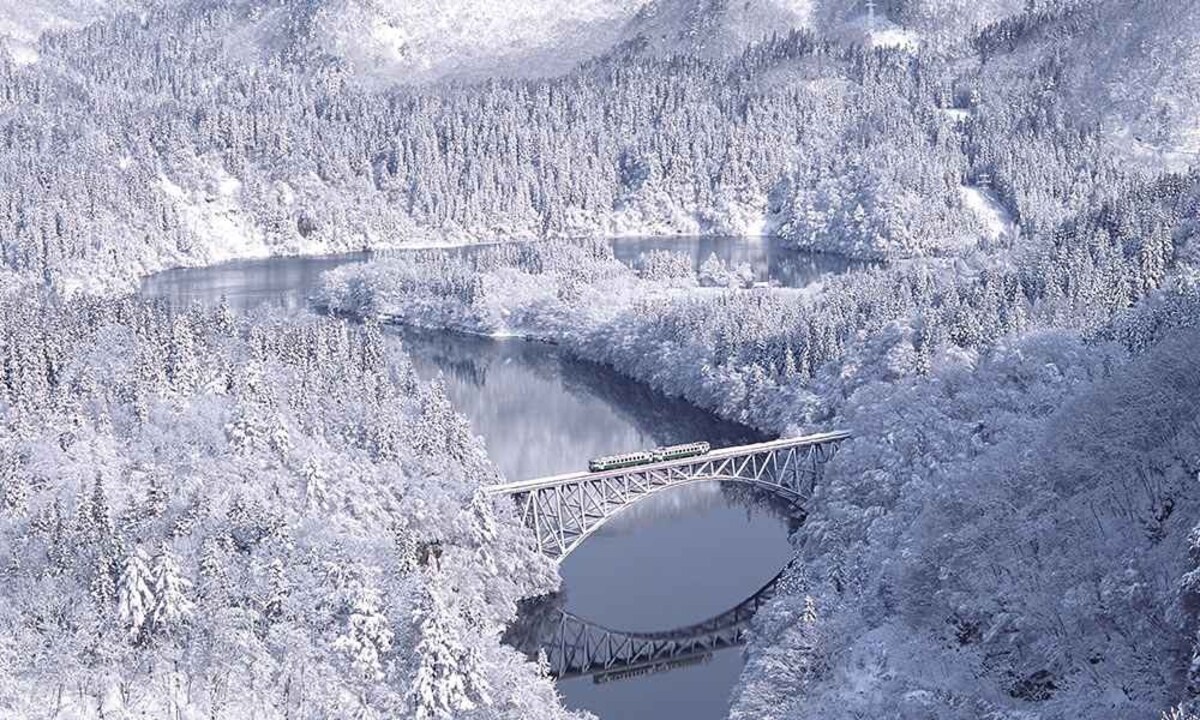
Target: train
(644, 457)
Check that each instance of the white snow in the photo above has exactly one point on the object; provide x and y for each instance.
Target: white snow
(23, 21)
(228, 185)
(1177, 156)
(420, 40)
(22, 53)
(426, 40)
(893, 36)
(984, 204)
(226, 231)
(956, 114)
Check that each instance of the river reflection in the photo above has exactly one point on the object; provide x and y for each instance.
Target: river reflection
(574, 646)
(288, 282)
(770, 260)
(675, 558)
(284, 283)
(542, 412)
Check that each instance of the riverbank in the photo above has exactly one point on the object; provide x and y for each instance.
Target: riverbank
(540, 413)
(962, 395)
(576, 294)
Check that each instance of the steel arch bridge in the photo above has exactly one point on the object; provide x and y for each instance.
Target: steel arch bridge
(564, 510)
(575, 647)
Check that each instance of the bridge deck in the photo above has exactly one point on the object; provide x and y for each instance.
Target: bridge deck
(719, 454)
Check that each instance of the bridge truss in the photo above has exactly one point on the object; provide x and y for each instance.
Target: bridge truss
(562, 511)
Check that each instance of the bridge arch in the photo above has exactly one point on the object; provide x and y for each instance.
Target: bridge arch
(594, 527)
(565, 510)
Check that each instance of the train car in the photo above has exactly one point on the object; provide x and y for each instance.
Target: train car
(613, 462)
(642, 457)
(675, 452)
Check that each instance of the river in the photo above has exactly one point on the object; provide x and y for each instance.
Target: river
(674, 559)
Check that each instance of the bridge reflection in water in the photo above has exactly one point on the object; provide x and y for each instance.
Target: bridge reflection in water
(575, 647)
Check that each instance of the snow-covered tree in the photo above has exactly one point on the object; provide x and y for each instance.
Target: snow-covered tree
(135, 598)
(274, 606)
(714, 272)
(315, 490)
(483, 520)
(446, 681)
(170, 591)
(407, 551)
(367, 637)
(261, 621)
(809, 617)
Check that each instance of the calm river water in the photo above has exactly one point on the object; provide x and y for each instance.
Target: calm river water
(670, 561)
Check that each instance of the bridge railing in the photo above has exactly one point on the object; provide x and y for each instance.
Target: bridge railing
(521, 486)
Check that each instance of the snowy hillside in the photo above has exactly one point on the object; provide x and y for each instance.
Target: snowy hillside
(1009, 535)
(422, 40)
(1133, 66)
(470, 39)
(211, 543)
(287, 153)
(946, 25)
(715, 28)
(21, 22)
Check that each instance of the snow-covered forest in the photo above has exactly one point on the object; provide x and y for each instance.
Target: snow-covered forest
(974, 388)
(1027, 435)
(186, 152)
(207, 514)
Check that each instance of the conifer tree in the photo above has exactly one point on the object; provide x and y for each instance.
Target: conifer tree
(315, 490)
(135, 599)
(368, 634)
(171, 603)
(277, 588)
(446, 681)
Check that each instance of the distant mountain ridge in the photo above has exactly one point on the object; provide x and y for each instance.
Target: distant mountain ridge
(425, 41)
(714, 28)
(238, 169)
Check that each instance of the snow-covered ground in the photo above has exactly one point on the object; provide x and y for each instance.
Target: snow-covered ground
(958, 115)
(422, 40)
(1177, 155)
(216, 217)
(893, 36)
(984, 204)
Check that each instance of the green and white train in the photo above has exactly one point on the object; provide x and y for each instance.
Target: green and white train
(644, 457)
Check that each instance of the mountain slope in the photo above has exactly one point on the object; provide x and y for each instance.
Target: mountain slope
(21, 23)
(1134, 67)
(423, 40)
(715, 28)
